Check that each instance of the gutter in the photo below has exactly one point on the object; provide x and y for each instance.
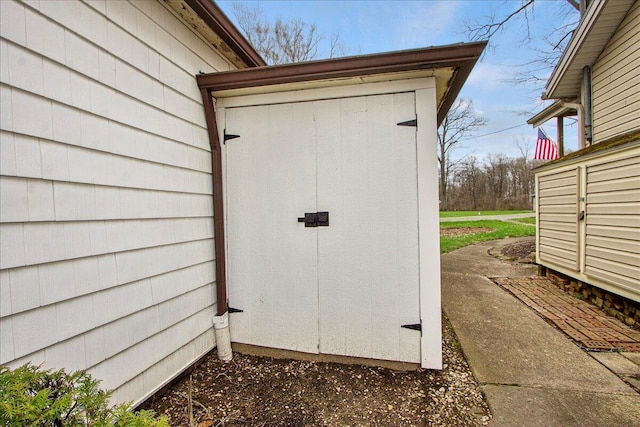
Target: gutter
(215, 18)
(459, 57)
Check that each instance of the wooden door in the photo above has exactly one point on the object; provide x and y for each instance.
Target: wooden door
(345, 289)
(272, 259)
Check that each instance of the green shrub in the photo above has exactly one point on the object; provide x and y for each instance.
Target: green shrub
(30, 396)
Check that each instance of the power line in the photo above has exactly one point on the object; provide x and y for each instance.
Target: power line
(493, 133)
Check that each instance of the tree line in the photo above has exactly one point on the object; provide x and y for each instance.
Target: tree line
(496, 183)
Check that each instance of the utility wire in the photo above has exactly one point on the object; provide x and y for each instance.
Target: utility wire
(493, 133)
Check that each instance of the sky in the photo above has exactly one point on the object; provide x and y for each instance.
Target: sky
(366, 27)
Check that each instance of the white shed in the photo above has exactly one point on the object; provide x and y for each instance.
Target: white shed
(328, 174)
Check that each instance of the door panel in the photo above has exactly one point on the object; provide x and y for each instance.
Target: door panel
(272, 259)
(368, 257)
(345, 289)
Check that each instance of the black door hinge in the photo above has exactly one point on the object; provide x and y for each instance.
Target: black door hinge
(228, 136)
(414, 326)
(413, 122)
(315, 219)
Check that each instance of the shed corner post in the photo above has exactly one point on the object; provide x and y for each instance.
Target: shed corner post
(221, 317)
(428, 229)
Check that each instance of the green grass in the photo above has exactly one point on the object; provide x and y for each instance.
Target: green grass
(525, 220)
(501, 230)
(455, 214)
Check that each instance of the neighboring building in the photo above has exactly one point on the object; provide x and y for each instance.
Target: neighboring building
(588, 202)
(106, 233)
(114, 171)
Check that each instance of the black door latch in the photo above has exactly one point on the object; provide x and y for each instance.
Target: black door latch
(315, 219)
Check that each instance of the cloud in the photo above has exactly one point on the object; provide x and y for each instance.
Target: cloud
(427, 23)
(487, 75)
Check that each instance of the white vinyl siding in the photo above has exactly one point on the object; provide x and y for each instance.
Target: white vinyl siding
(616, 81)
(557, 213)
(613, 222)
(106, 256)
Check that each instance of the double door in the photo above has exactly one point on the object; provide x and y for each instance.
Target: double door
(348, 282)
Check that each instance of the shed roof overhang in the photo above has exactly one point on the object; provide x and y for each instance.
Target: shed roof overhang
(590, 38)
(450, 65)
(211, 23)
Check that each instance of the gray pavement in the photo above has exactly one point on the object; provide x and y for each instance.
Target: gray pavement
(531, 373)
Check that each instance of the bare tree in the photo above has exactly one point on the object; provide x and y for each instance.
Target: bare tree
(461, 120)
(282, 42)
(493, 25)
(546, 50)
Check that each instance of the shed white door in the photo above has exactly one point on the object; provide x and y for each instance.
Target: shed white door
(345, 289)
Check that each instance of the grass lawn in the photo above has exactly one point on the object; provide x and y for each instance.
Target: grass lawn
(525, 220)
(454, 214)
(501, 230)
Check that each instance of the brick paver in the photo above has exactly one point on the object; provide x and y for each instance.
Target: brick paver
(585, 323)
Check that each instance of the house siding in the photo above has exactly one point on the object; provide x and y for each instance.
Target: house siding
(613, 222)
(607, 241)
(558, 232)
(106, 248)
(616, 81)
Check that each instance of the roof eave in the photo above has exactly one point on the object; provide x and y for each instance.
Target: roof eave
(462, 57)
(584, 47)
(215, 18)
(557, 109)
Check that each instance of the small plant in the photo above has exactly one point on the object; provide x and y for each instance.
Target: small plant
(30, 396)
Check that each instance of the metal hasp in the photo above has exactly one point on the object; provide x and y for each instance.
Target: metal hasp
(414, 326)
(228, 136)
(413, 123)
(315, 219)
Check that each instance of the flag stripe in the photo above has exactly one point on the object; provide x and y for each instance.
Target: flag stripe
(546, 149)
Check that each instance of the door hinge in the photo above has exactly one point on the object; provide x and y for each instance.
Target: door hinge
(315, 219)
(413, 122)
(228, 136)
(234, 310)
(414, 326)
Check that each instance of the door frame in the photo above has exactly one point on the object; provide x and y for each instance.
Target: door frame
(426, 158)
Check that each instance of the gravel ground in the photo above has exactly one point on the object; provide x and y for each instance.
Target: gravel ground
(260, 391)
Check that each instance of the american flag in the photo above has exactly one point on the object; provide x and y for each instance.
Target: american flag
(546, 149)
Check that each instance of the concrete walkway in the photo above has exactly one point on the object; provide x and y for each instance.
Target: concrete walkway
(531, 374)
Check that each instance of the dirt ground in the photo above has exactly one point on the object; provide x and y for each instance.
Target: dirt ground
(461, 231)
(521, 252)
(260, 391)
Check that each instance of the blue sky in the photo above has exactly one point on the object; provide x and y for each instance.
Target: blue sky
(380, 26)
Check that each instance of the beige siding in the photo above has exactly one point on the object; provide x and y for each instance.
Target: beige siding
(608, 240)
(613, 222)
(557, 230)
(616, 81)
(107, 259)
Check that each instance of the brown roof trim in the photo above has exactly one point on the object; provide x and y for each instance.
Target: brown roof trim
(461, 56)
(215, 18)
